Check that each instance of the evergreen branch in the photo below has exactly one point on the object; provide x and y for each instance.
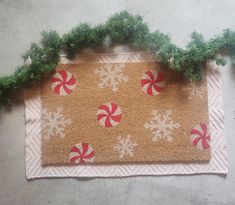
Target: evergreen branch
(123, 28)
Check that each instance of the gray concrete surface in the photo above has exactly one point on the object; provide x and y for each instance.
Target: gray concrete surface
(21, 23)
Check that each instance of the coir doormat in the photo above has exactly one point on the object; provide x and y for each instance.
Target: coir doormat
(113, 112)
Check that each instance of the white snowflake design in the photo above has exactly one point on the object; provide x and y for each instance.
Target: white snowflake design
(194, 90)
(111, 75)
(125, 146)
(161, 125)
(54, 123)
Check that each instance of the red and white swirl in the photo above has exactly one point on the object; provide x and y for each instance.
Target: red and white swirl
(81, 153)
(63, 82)
(109, 115)
(200, 136)
(152, 82)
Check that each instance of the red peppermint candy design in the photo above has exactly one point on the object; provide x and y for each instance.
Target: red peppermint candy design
(63, 82)
(109, 115)
(200, 136)
(81, 153)
(152, 82)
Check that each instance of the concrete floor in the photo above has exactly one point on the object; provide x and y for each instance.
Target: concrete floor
(21, 23)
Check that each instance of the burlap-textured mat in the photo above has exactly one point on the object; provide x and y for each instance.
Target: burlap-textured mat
(123, 112)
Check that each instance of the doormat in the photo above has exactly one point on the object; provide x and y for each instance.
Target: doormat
(123, 112)
(35, 111)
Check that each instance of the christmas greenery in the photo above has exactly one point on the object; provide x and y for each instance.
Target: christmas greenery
(122, 28)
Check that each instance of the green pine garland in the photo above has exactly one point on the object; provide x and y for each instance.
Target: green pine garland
(123, 28)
